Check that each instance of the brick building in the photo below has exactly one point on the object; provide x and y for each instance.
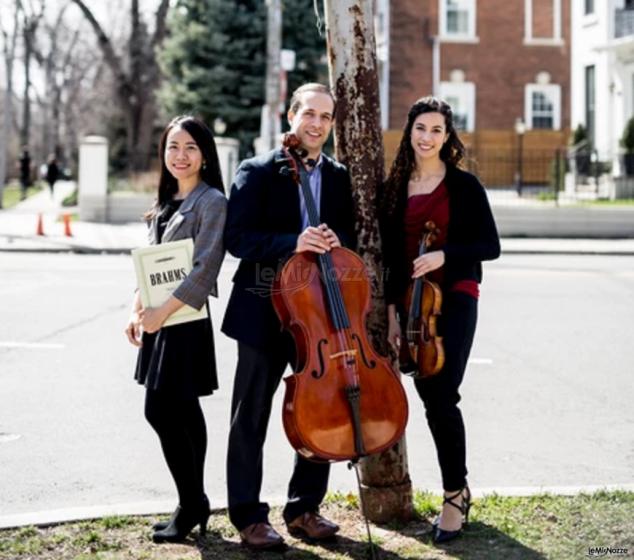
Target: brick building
(493, 60)
(496, 62)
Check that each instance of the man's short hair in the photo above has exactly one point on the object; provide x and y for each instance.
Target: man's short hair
(296, 99)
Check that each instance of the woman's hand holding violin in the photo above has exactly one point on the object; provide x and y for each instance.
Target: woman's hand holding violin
(427, 263)
(393, 328)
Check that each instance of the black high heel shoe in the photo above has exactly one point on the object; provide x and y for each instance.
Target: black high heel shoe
(182, 523)
(160, 525)
(441, 535)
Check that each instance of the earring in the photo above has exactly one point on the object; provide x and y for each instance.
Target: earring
(204, 165)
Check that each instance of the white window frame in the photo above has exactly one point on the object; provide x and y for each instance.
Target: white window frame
(553, 93)
(556, 39)
(465, 91)
(450, 37)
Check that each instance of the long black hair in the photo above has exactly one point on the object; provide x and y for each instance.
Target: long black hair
(452, 151)
(210, 171)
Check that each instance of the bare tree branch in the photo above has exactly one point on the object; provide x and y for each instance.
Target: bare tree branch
(137, 82)
(160, 26)
(113, 61)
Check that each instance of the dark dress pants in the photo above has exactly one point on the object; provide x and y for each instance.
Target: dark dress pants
(258, 375)
(440, 392)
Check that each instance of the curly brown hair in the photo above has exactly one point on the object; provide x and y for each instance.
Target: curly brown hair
(404, 163)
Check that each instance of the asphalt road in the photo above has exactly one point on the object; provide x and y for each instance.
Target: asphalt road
(547, 396)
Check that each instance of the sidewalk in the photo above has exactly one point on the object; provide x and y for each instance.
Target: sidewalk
(18, 227)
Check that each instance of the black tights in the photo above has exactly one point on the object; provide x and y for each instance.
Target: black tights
(180, 425)
(440, 392)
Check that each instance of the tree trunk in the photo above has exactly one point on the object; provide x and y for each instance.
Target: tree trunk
(386, 487)
(29, 29)
(25, 129)
(8, 51)
(136, 88)
(272, 127)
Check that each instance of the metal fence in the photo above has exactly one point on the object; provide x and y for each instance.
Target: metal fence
(536, 174)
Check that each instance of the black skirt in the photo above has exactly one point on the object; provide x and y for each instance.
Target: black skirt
(180, 359)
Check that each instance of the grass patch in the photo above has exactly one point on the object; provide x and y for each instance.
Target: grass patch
(71, 199)
(347, 501)
(606, 202)
(546, 195)
(116, 522)
(12, 193)
(426, 504)
(508, 528)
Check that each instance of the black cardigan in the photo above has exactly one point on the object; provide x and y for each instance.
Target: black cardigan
(471, 236)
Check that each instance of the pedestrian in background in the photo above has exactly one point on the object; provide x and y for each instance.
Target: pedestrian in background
(426, 184)
(177, 363)
(25, 171)
(52, 172)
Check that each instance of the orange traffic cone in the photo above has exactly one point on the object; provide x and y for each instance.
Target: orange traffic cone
(40, 225)
(67, 231)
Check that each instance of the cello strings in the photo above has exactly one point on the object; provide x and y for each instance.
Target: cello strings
(335, 300)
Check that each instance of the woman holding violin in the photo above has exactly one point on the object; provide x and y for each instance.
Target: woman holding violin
(437, 227)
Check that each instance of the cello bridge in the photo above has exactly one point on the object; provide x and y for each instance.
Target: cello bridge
(352, 353)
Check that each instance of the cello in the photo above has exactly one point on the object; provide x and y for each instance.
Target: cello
(423, 354)
(344, 401)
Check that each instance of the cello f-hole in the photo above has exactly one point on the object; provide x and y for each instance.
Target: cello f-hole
(322, 365)
(370, 364)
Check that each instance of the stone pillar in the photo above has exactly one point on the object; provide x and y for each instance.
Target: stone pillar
(93, 179)
(228, 153)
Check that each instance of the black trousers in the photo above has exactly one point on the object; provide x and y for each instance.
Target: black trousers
(440, 392)
(258, 375)
(180, 426)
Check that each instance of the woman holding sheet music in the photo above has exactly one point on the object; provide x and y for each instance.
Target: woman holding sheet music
(177, 363)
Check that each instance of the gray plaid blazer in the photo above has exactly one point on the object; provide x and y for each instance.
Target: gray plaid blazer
(201, 217)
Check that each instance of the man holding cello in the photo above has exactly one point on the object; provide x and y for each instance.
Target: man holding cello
(267, 222)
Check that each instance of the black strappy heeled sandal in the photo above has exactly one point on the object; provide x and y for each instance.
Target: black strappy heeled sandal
(442, 535)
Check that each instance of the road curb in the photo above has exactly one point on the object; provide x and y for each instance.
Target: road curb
(74, 250)
(68, 515)
(91, 250)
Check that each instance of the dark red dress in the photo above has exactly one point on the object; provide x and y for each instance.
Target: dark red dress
(420, 209)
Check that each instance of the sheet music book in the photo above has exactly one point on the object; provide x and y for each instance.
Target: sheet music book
(159, 270)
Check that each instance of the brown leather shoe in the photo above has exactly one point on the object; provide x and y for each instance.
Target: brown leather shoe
(313, 526)
(261, 536)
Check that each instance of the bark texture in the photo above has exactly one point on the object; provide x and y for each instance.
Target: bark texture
(386, 487)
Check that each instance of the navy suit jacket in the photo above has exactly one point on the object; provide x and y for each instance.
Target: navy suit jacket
(263, 223)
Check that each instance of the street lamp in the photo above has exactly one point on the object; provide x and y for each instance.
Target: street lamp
(520, 129)
(220, 126)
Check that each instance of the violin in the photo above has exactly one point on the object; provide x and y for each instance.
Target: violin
(343, 401)
(423, 354)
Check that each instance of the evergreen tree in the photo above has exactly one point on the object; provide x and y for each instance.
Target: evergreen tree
(214, 61)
